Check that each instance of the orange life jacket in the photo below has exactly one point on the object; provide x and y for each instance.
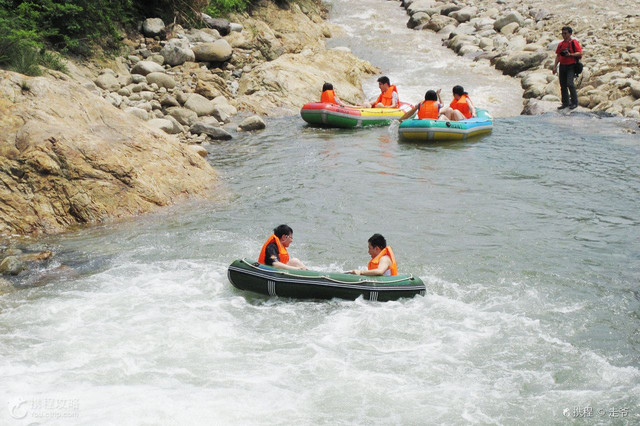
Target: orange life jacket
(462, 105)
(429, 109)
(282, 252)
(328, 97)
(386, 98)
(373, 264)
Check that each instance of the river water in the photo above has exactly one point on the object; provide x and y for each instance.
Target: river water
(528, 241)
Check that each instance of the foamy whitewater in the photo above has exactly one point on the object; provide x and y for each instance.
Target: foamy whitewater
(527, 240)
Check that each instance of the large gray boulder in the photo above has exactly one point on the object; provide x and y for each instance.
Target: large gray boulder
(165, 125)
(152, 27)
(169, 101)
(161, 79)
(508, 19)
(449, 8)
(202, 36)
(221, 25)
(218, 51)
(199, 104)
(519, 61)
(177, 52)
(420, 18)
(420, 6)
(252, 123)
(213, 132)
(71, 158)
(11, 265)
(438, 22)
(107, 81)
(465, 14)
(184, 116)
(138, 112)
(538, 107)
(146, 67)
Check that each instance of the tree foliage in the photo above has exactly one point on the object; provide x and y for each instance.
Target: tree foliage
(27, 27)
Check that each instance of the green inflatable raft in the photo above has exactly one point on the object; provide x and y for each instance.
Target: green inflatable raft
(252, 276)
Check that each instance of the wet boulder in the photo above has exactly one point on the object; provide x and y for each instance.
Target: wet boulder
(520, 61)
(12, 265)
(252, 123)
(420, 18)
(214, 132)
(152, 27)
(438, 22)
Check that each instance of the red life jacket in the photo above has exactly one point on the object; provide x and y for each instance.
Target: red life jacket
(328, 97)
(462, 106)
(386, 98)
(282, 252)
(429, 109)
(387, 251)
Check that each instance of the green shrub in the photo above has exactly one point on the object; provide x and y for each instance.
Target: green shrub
(68, 25)
(79, 26)
(223, 7)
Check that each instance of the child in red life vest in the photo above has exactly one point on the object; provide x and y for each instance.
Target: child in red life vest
(427, 109)
(329, 96)
(461, 106)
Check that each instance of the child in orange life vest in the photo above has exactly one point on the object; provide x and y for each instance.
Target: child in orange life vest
(383, 261)
(329, 96)
(274, 251)
(429, 108)
(461, 106)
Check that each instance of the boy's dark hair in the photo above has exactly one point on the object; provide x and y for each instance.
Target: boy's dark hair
(377, 240)
(459, 90)
(384, 80)
(431, 95)
(282, 230)
(327, 86)
(567, 29)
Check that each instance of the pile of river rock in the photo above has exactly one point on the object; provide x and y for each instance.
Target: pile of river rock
(520, 38)
(181, 85)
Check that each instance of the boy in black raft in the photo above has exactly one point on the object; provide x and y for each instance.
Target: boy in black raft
(274, 251)
(382, 262)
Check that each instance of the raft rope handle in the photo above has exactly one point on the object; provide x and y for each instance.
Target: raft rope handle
(284, 272)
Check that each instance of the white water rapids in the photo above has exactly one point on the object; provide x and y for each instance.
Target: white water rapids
(528, 246)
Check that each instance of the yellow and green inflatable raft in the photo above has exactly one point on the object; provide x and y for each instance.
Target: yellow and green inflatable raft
(330, 115)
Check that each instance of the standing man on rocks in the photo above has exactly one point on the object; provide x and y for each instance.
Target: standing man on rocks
(568, 53)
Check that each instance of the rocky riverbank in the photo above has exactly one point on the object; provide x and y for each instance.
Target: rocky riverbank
(520, 40)
(204, 84)
(120, 138)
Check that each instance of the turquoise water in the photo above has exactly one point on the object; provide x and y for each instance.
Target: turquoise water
(527, 239)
